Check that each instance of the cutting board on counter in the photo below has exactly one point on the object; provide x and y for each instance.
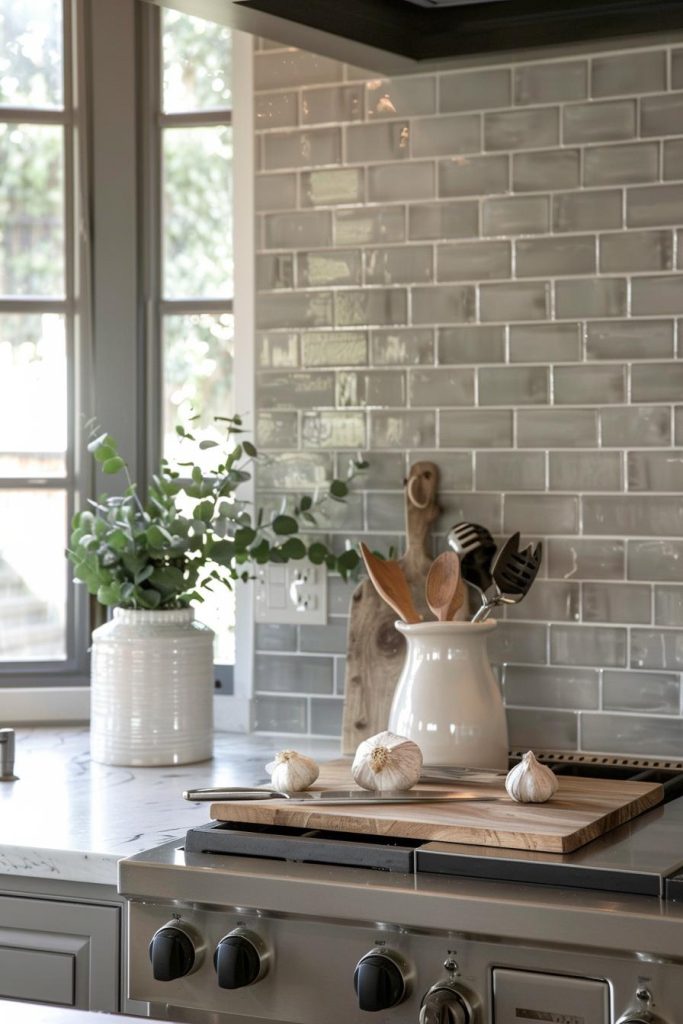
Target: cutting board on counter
(375, 649)
(580, 811)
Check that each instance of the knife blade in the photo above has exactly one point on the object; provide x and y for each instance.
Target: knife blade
(337, 796)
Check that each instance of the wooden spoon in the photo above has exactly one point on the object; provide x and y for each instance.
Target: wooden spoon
(391, 584)
(441, 588)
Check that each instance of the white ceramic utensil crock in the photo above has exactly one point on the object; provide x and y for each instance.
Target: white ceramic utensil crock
(447, 698)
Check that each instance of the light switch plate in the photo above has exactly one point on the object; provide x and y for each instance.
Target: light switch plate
(293, 593)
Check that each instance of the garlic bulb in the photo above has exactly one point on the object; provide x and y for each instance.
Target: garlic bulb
(291, 771)
(387, 761)
(530, 782)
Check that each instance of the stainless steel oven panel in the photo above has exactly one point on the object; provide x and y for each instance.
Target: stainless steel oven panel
(523, 996)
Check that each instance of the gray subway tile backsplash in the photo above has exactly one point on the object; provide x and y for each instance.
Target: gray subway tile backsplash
(483, 267)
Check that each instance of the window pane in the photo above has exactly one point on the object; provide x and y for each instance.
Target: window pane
(196, 63)
(218, 612)
(31, 53)
(33, 575)
(31, 210)
(33, 395)
(198, 212)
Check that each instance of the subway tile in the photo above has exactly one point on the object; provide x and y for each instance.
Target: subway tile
(555, 428)
(332, 105)
(522, 129)
(548, 601)
(578, 558)
(515, 301)
(669, 606)
(379, 388)
(386, 513)
(677, 69)
(475, 90)
(510, 471)
(327, 639)
(388, 140)
(588, 210)
(444, 220)
(331, 187)
(631, 734)
(331, 266)
(555, 256)
(673, 159)
(647, 692)
(653, 205)
(549, 686)
(455, 470)
(629, 73)
(298, 230)
(334, 348)
(513, 385)
(277, 351)
(274, 637)
(302, 148)
(636, 250)
(553, 169)
(410, 346)
(275, 191)
(550, 343)
(292, 389)
(524, 642)
(589, 385)
(602, 646)
(630, 339)
(491, 428)
(657, 648)
(295, 471)
(635, 515)
(678, 417)
(398, 265)
(371, 225)
(385, 474)
(400, 97)
(280, 714)
(392, 182)
(544, 514)
(289, 67)
(656, 295)
(445, 304)
(552, 82)
(640, 427)
(655, 560)
(473, 176)
(442, 387)
(591, 297)
(279, 430)
(655, 471)
(554, 730)
(657, 382)
(474, 261)
(326, 717)
(599, 122)
(274, 271)
(476, 344)
(370, 306)
(276, 110)
(470, 508)
(616, 602)
(585, 471)
(661, 115)
(447, 136)
(294, 309)
(398, 429)
(292, 675)
(333, 430)
(621, 165)
(347, 515)
(516, 215)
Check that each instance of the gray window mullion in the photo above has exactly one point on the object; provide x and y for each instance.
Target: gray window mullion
(196, 119)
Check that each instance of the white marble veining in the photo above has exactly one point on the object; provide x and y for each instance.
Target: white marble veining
(33, 1013)
(69, 818)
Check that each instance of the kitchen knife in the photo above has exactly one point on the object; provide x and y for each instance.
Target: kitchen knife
(337, 796)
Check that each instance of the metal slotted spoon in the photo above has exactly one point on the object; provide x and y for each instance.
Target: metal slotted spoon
(476, 548)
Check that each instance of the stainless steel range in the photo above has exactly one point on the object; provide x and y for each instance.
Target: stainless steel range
(247, 925)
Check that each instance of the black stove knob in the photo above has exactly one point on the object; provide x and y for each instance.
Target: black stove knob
(239, 959)
(172, 953)
(444, 1005)
(380, 981)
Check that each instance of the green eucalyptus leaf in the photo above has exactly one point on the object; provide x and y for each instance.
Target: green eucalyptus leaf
(317, 553)
(294, 548)
(244, 537)
(113, 465)
(249, 449)
(338, 489)
(305, 503)
(208, 444)
(283, 525)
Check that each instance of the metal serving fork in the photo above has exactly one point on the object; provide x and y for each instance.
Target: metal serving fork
(513, 573)
(476, 548)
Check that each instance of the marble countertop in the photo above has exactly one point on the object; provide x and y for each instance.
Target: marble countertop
(33, 1013)
(69, 818)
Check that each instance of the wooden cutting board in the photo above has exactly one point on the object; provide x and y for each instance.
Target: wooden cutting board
(581, 810)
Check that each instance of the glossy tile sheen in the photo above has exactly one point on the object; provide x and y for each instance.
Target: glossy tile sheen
(550, 343)
(551, 82)
(577, 558)
(588, 645)
(474, 261)
(616, 602)
(630, 339)
(444, 220)
(475, 344)
(510, 471)
(475, 90)
(644, 692)
(552, 687)
(585, 471)
(553, 169)
(556, 730)
(514, 385)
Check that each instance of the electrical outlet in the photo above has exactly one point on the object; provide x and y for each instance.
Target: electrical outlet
(292, 593)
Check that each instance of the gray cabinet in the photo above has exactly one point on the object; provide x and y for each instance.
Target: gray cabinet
(59, 952)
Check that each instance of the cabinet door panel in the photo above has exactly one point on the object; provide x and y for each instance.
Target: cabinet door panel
(38, 976)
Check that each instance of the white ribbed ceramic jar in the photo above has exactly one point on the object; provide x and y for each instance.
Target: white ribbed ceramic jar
(151, 689)
(447, 698)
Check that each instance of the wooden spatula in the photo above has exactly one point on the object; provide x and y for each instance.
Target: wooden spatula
(441, 588)
(391, 584)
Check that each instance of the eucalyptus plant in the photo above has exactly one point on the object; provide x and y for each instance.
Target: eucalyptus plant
(191, 531)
